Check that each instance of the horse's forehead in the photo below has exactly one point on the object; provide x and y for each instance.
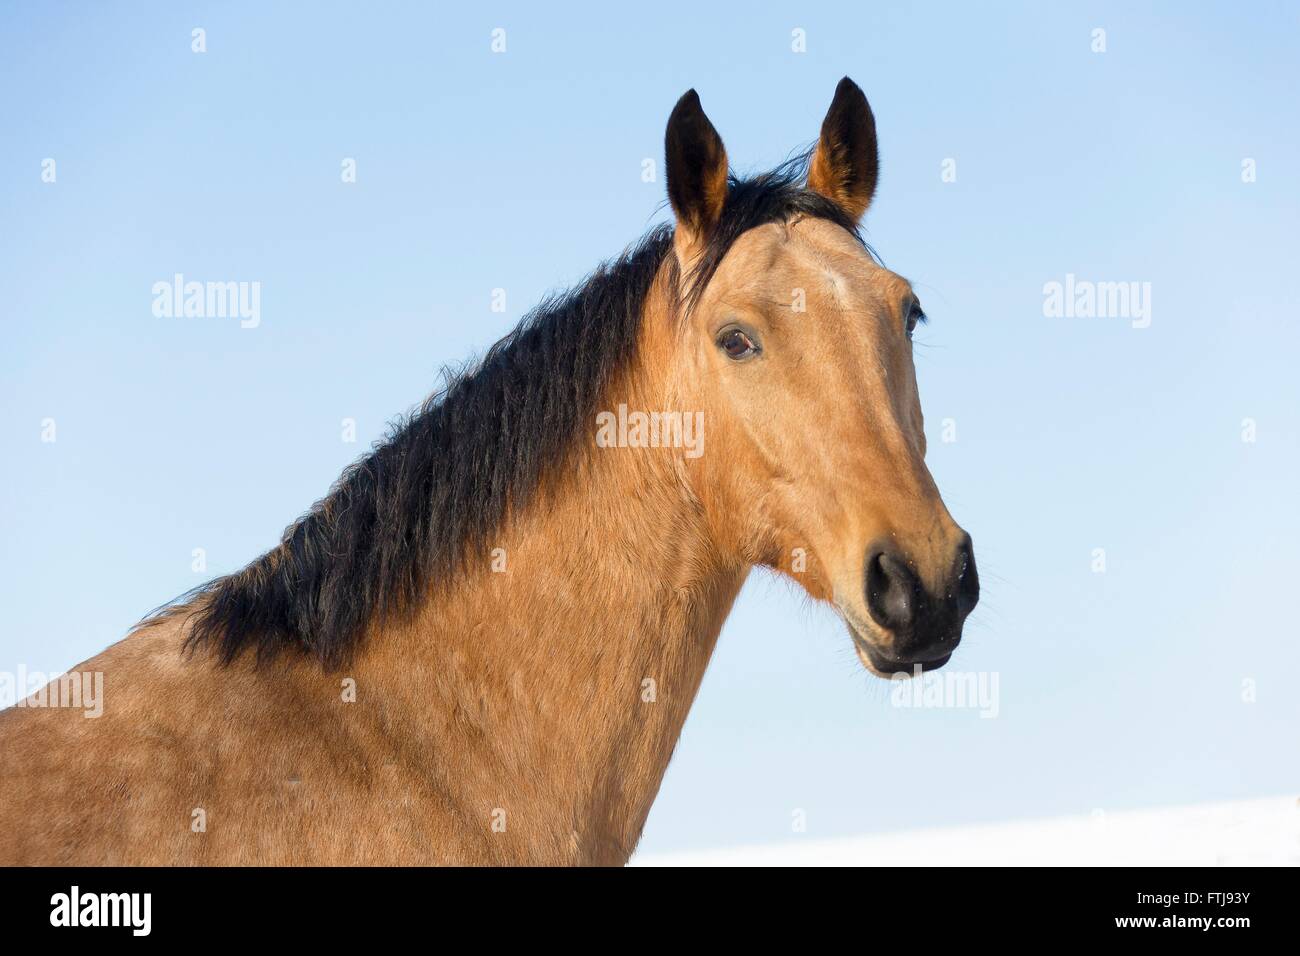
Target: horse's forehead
(817, 254)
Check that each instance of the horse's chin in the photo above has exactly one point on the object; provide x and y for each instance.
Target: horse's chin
(880, 665)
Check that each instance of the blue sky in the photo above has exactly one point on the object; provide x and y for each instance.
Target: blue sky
(522, 170)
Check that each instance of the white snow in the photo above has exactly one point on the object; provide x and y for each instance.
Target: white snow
(1261, 832)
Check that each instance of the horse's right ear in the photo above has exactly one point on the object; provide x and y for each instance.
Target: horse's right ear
(696, 169)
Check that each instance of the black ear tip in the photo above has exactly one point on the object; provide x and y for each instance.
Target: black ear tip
(847, 88)
(687, 120)
(690, 100)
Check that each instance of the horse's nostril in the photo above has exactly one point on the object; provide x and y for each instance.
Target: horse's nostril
(968, 579)
(892, 592)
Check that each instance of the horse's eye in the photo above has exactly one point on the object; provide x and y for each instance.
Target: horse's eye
(915, 316)
(736, 344)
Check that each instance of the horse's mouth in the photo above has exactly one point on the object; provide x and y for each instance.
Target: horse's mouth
(879, 663)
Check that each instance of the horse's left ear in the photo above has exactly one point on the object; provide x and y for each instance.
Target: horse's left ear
(845, 163)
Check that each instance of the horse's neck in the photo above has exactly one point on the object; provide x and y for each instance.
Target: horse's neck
(555, 678)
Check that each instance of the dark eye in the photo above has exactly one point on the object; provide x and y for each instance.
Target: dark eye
(915, 316)
(737, 344)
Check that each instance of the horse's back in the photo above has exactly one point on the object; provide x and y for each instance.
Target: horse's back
(76, 782)
(190, 763)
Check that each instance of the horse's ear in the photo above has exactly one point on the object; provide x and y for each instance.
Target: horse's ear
(845, 163)
(696, 168)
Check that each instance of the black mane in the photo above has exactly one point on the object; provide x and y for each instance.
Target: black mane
(437, 488)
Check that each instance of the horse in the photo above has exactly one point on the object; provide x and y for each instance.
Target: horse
(480, 646)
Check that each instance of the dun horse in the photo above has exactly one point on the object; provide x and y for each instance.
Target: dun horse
(481, 645)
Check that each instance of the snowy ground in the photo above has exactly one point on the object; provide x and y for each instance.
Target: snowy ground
(1263, 832)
